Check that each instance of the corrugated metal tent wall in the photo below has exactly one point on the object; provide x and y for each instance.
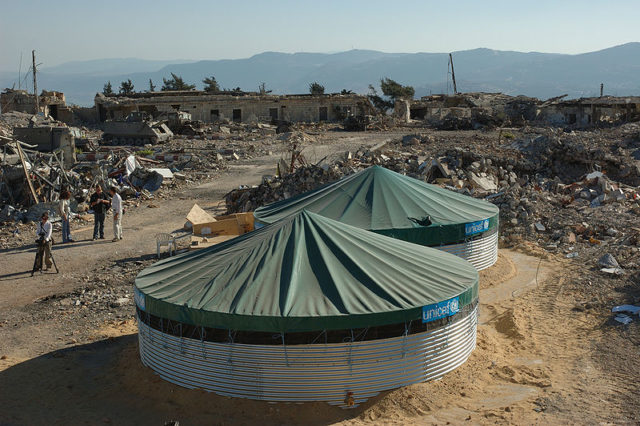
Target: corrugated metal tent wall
(314, 372)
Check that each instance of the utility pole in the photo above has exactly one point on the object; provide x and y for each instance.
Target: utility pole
(601, 89)
(453, 75)
(35, 83)
(20, 72)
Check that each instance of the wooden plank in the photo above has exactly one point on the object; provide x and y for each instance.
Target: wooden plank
(200, 242)
(198, 215)
(220, 227)
(26, 174)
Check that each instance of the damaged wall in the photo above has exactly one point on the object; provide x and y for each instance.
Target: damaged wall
(471, 110)
(52, 104)
(241, 108)
(587, 112)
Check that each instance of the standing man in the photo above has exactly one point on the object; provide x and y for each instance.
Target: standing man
(43, 232)
(99, 202)
(65, 212)
(116, 205)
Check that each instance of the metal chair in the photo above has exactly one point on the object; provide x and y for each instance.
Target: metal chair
(165, 240)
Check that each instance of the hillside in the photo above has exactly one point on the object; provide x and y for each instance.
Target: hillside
(534, 74)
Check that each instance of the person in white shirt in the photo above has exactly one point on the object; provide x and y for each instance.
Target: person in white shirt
(43, 230)
(65, 214)
(116, 205)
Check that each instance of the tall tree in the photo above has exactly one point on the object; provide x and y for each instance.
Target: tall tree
(395, 90)
(211, 85)
(107, 89)
(126, 88)
(316, 88)
(176, 83)
(152, 87)
(378, 101)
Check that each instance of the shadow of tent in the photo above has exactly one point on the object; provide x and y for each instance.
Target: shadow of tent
(105, 383)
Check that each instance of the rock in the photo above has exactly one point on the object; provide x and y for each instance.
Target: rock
(122, 301)
(608, 261)
(411, 140)
(540, 227)
(482, 183)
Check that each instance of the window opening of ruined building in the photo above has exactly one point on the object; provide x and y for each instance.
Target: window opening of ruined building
(323, 114)
(273, 113)
(237, 115)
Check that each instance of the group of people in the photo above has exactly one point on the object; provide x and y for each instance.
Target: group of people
(99, 203)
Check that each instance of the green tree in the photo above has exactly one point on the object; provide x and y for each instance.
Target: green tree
(316, 88)
(395, 90)
(176, 83)
(126, 88)
(211, 85)
(381, 104)
(107, 89)
(346, 92)
(152, 87)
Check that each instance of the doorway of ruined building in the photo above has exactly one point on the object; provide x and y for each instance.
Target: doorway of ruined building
(237, 115)
(417, 113)
(323, 114)
(53, 111)
(273, 113)
(214, 115)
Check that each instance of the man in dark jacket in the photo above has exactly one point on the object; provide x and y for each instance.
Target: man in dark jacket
(99, 202)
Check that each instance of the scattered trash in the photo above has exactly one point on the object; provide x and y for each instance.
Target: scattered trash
(623, 319)
(634, 310)
(613, 271)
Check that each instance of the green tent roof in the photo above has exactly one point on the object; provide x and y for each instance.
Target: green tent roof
(381, 200)
(304, 273)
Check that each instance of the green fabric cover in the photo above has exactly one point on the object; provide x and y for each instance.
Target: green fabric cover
(304, 273)
(380, 200)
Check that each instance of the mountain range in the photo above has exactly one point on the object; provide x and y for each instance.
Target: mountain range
(541, 75)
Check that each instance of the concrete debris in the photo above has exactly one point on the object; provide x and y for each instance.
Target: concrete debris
(540, 227)
(608, 261)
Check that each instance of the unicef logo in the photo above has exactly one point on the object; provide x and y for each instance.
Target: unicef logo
(486, 224)
(453, 305)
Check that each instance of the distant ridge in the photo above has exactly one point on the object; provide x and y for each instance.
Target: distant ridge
(542, 75)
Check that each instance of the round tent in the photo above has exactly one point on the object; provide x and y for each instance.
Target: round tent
(307, 309)
(391, 204)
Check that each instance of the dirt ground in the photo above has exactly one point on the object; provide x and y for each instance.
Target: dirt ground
(544, 355)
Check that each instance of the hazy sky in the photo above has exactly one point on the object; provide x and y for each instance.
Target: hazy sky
(67, 30)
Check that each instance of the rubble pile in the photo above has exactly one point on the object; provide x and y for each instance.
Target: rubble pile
(301, 180)
(558, 189)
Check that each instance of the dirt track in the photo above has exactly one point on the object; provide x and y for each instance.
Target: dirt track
(539, 358)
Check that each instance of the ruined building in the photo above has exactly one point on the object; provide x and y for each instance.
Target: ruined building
(468, 110)
(473, 110)
(52, 104)
(236, 106)
(586, 112)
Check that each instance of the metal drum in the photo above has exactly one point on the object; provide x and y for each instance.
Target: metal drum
(344, 374)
